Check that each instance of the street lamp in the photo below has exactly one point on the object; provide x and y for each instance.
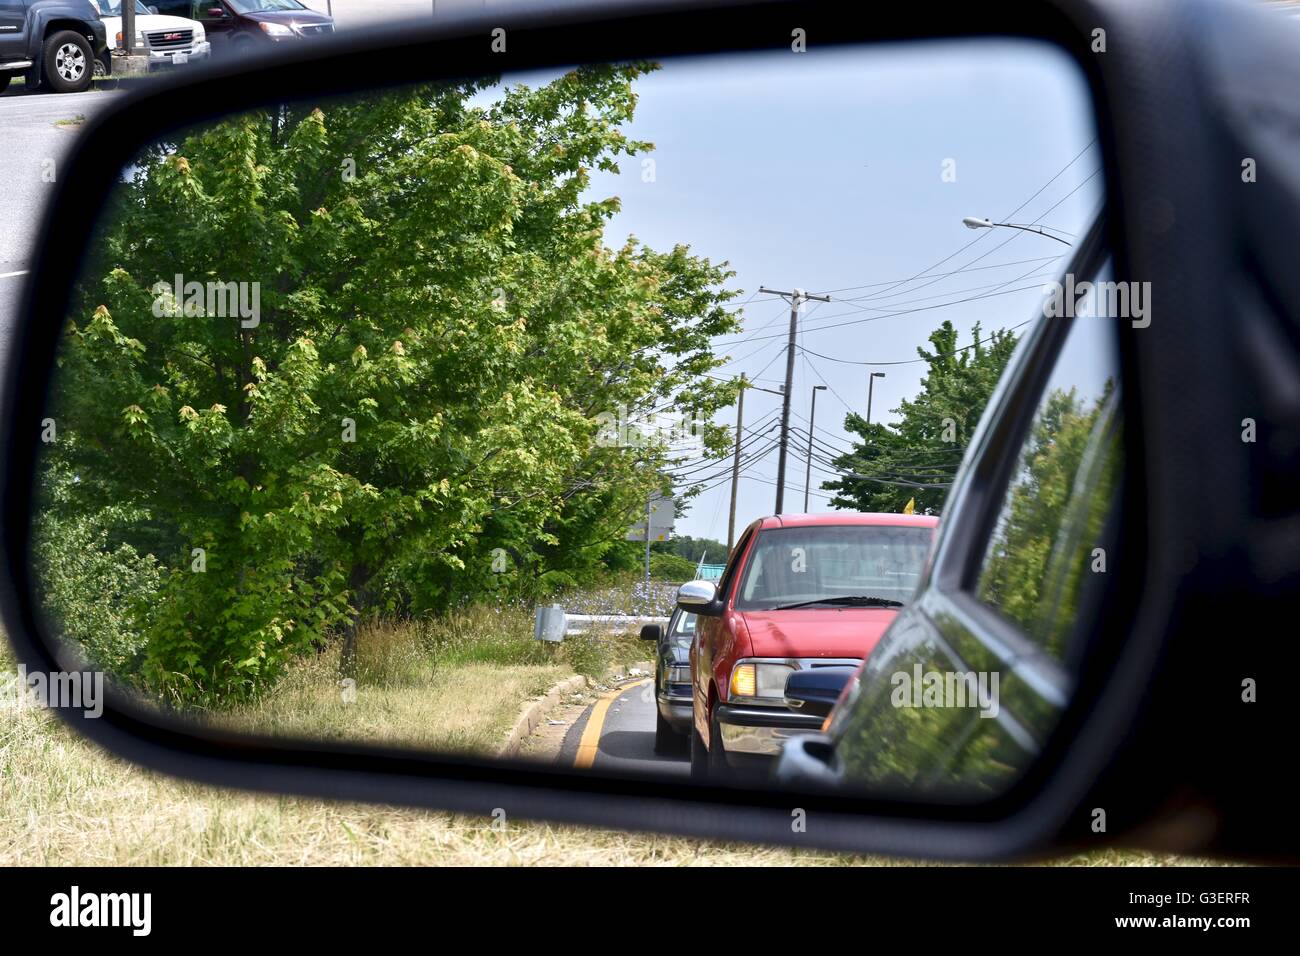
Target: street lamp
(812, 417)
(974, 222)
(871, 385)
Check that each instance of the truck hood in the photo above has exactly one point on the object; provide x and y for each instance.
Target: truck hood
(817, 632)
(287, 17)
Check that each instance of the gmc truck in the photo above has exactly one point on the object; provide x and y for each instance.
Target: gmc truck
(53, 43)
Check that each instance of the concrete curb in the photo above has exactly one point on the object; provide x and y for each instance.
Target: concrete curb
(535, 710)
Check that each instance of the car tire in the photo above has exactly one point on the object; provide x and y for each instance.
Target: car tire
(68, 62)
(699, 757)
(719, 771)
(664, 736)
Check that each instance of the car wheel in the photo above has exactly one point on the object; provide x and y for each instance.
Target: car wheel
(699, 756)
(719, 771)
(663, 734)
(68, 62)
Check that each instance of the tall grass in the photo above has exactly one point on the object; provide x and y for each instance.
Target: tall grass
(66, 802)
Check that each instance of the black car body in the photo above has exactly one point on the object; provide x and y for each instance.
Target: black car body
(672, 678)
(53, 43)
(241, 26)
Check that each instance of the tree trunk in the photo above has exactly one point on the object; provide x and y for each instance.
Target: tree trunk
(357, 579)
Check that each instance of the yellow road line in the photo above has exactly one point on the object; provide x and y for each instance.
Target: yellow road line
(590, 741)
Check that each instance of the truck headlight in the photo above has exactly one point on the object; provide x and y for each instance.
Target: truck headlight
(760, 679)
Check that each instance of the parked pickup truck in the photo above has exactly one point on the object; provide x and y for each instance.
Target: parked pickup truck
(54, 44)
(166, 40)
(801, 593)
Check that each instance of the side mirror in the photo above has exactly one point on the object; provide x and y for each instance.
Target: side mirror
(652, 632)
(699, 597)
(816, 690)
(216, 12)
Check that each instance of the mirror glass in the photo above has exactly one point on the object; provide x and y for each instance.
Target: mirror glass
(394, 419)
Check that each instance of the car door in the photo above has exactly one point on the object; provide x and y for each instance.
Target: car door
(712, 635)
(1002, 619)
(13, 29)
(219, 24)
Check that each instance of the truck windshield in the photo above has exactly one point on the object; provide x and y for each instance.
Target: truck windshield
(265, 6)
(833, 563)
(113, 8)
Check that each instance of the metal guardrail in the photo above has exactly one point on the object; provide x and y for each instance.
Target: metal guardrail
(552, 624)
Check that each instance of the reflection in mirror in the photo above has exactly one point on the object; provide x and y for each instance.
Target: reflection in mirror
(473, 416)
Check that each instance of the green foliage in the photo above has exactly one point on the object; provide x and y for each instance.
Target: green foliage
(693, 549)
(671, 567)
(96, 591)
(918, 456)
(453, 306)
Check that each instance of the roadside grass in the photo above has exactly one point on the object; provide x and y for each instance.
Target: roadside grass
(65, 802)
(450, 684)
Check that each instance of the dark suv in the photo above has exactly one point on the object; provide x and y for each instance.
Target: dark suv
(672, 679)
(53, 43)
(242, 26)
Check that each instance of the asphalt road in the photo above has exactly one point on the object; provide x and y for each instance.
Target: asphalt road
(617, 735)
(33, 148)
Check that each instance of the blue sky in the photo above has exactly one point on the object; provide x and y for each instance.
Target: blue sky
(824, 170)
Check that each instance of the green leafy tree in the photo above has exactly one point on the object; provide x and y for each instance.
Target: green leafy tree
(918, 455)
(441, 323)
(693, 549)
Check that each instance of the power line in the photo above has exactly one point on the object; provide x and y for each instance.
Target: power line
(926, 270)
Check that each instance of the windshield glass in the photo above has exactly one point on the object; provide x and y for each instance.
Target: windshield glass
(683, 629)
(263, 6)
(113, 8)
(795, 565)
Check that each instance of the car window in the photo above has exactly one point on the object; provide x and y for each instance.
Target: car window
(733, 561)
(1048, 533)
(683, 628)
(793, 565)
(176, 8)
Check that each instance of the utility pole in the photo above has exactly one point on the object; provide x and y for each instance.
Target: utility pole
(648, 503)
(797, 298)
(812, 417)
(735, 467)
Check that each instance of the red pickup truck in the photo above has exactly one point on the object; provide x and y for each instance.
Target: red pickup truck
(800, 592)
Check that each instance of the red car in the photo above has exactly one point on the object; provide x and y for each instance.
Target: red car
(800, 592)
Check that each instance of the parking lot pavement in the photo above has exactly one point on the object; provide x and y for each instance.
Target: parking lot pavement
(33, 152)
(354, 13)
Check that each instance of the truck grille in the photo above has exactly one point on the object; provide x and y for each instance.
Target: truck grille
(170, 39)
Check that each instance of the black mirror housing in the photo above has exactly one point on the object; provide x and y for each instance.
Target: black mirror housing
(816, 690)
